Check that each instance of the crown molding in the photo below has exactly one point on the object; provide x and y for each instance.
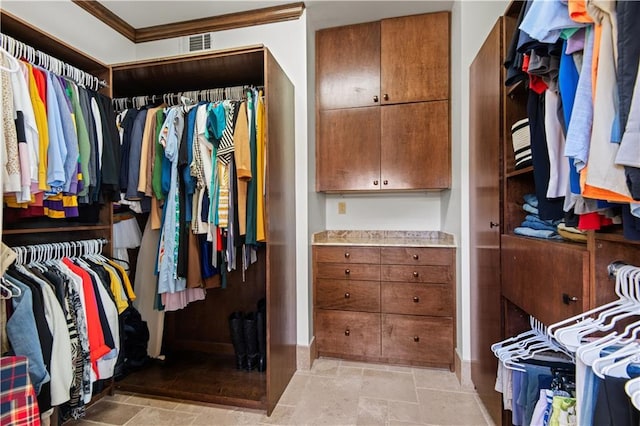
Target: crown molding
(229, 21)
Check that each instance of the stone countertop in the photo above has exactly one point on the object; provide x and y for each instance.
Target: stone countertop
(385, 238)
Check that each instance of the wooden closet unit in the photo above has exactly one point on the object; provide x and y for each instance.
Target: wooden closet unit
(198, 334)
(382, 105)
(513, 276)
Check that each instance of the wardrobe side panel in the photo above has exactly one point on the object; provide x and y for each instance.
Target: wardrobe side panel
(281, 230)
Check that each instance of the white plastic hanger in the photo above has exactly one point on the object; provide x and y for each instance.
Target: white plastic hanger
(600, 363)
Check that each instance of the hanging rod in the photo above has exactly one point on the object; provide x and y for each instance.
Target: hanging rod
(614, 267)
(185, 98)
(57, 250)
(21, 50)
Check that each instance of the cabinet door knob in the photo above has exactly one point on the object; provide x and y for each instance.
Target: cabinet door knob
(347, 255)
(347, 295)
(416, 299)
(566, 299)
(385, 182)
(347, 332)
(375, 98)
(415, 274)
(347, 271)
(385, 97)
(416, 338)
(493, 224)
(416, 257)
(375, 182)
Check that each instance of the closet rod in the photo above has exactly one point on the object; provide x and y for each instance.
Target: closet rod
(21, 50)
(614, 267)
(57, 250)
(185, 98)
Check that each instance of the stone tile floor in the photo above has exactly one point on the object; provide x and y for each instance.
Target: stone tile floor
(333, 392)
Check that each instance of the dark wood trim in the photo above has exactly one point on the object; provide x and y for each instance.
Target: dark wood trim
(96, 9)
(230, 21)
(267, 15)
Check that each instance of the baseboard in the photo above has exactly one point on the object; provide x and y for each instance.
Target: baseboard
(463, 372)
(306, 355)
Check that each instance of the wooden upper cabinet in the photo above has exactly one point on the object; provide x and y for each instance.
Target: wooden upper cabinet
(348, 66)
(415, 150)
(348, 150)
(415, 58)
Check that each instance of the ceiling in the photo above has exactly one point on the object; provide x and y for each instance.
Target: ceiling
(320, 13)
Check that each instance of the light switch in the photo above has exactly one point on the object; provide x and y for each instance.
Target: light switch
(342, 207)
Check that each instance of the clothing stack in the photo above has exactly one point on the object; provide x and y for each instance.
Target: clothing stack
(249, 338)
(533, 226)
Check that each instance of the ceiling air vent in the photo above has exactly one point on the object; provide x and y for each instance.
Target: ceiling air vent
(198, 42)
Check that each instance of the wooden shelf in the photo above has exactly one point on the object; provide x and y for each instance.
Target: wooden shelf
(519, 172)
(573, 244)
(55, 229)
(615, 236)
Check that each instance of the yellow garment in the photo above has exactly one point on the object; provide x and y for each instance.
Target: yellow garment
(43, 130)
(127, 282)
(261, 151)
(242, 154)
(223, 195)
(156, 213)
(11, 201)
(117, 289)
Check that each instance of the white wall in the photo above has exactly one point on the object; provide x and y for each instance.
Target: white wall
(70, 23)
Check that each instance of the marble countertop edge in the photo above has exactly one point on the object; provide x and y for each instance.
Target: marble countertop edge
(385, 238)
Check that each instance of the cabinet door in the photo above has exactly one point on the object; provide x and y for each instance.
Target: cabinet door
(348, 150)
(415, 58)
(348, 66)
(415, 147)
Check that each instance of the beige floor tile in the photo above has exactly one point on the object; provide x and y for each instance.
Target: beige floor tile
(329, 401)
(344, 371)
(244, 416)
(117, 397)
(157, 416)
(368, 365)
(404, 411)
(400, 423)
(111, 412)
(82, 422)
(401, 368)
(294, 390)
(449, 408)
(281, 415)
(151, 402)
(483, 409)
(372, 412)
(325, 367)
(389, 385)
(430, 378)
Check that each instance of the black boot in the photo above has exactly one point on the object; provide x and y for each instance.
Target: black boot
(236, 329)
(261, 318)
(251, 340)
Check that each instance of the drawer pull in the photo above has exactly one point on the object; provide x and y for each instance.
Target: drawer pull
(347, 255)
(416, 338)
(416, 257)
(347, 271)
(416, 274)
(375, 182)
(347, 332)
(347, 295)
(416, 299)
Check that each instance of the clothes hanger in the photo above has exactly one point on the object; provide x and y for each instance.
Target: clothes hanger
(589, 352)
(13, 289)
(625, 353)
(586, 316)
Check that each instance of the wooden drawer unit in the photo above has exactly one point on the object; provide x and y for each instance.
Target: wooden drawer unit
(417, 299)
(417, 338)
(417, 256)
(348, 333)
(416, 274)
(340, 271)
(348, 295)
(347, 254)
(371, 302)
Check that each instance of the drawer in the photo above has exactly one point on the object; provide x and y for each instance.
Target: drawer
(416, 274)
(348, 333)
(536, 274)
(417, 299)
(417, 256)
(341, 271)
(348, 295)
(347, 254)
(419, 339)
